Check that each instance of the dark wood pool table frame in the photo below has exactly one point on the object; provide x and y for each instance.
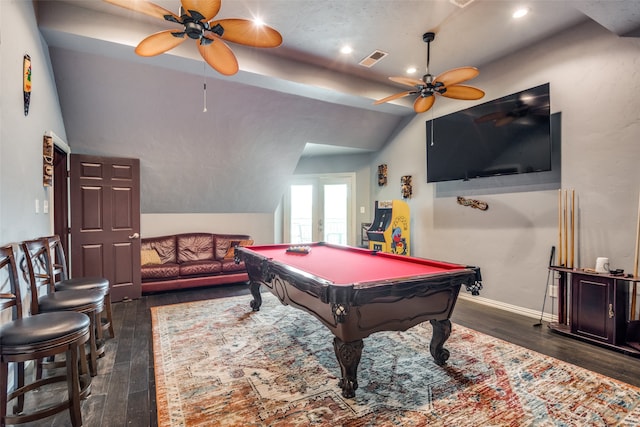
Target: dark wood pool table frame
(354, 311)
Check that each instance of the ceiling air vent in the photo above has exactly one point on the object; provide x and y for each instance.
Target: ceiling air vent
(462, 3)
(373, 59)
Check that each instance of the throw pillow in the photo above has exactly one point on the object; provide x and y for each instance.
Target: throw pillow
(230, 253)
(149, 256)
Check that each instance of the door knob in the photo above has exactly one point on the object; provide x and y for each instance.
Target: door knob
(135, 236)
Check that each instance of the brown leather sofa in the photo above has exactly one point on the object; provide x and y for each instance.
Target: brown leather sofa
(191, 260)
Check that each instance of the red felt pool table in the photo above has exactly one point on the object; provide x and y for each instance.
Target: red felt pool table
(355, 292)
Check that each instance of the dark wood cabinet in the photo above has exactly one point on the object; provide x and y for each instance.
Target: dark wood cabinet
(598, 308)
(594, 308)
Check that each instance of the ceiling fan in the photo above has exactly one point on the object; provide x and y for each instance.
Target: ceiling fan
(446, 84)
(196, 16)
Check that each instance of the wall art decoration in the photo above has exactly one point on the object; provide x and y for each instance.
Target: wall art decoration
(406, 188)
(382, 175)
(26, 82)
(477, 204)
(47, 161)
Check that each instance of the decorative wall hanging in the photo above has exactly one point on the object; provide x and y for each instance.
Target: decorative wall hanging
(26, 82)
(477, 204)
(382, 175)
(47, 161)
(406, 188)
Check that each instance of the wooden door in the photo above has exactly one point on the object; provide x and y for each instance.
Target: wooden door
(105, 222)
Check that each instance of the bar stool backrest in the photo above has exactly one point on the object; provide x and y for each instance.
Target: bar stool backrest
(59, 262)
(9, 271)
(36, 267)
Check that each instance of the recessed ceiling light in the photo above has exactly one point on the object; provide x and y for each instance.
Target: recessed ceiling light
(346, 50)
(520, 13)
(258, 21)
(411, 70)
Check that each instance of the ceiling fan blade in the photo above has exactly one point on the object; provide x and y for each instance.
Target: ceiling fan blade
(219, 56)
(463, 92)
(423, 104)
(207, 8)
(504, 121)
(159, 43)
(407, 81)
(457, 75)
(142, 6)
(392, 97)
(248, 33)
(490, 117)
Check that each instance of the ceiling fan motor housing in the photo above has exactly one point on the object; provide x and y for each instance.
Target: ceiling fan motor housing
(428, 37)
(194, 30)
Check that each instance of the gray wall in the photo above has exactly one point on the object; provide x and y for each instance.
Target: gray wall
(595, 86)
(20, 136)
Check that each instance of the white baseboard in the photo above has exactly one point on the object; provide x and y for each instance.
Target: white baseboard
(509, 307)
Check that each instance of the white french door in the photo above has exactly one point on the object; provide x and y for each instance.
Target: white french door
(320, 208)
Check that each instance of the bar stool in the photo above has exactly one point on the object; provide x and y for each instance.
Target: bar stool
(60, 276)
(37, 260)
(36, 337)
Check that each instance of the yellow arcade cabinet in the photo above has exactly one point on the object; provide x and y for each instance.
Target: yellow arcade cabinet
(390, 230)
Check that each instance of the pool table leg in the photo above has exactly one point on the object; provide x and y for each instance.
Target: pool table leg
(254, 287)
(441, 332)
(348, 354)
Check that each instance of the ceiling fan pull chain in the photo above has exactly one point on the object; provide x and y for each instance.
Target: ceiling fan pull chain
(204, 82)
(432, 126)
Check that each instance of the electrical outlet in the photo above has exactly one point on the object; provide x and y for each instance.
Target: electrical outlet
(45, 206)
(361, 209)
(37, 206)
(552, 290)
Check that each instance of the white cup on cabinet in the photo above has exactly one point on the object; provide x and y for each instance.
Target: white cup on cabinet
(602, 265)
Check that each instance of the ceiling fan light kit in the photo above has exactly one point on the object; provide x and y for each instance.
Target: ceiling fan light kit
(196, 16)
(446, 84)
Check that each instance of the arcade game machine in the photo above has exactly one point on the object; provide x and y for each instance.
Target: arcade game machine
(390, 230)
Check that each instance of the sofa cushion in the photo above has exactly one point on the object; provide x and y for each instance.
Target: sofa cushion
(194, 247)
(200, 268)
(160, 271)
(229, 265)
(165, 246)
(149, 257)
(222, 247)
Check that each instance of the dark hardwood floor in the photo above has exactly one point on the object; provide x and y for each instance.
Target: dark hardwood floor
(123, 393)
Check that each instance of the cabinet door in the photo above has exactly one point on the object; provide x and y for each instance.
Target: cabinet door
(593, 307)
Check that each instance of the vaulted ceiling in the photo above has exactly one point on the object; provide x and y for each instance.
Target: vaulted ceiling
(237, 155)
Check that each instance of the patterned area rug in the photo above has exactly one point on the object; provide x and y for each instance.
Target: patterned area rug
(219, 363)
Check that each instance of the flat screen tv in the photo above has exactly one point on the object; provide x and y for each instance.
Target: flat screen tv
(509, 135)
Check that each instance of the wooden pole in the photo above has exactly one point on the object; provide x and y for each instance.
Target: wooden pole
(573, 226)
(566, 229)
(635, 259)
(560, 254)
(635, 267)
